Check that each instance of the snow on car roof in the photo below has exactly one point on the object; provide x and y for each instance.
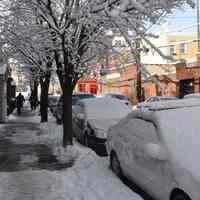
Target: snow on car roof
(171, 104)
(194, 95)
(105, 108)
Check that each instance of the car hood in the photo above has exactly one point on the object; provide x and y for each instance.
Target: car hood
(102, 124)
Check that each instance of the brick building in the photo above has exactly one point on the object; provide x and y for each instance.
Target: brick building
(188, 75)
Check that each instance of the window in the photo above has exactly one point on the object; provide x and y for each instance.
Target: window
(172, 51)
(144, 130)
(183, 48)
(131, 83)
(118, 43)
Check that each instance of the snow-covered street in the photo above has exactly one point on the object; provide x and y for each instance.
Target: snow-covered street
(36, 168)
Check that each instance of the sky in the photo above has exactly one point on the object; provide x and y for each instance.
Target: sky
(181, 22)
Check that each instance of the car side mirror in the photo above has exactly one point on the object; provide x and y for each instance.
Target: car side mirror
(156, 151)
(80, 116)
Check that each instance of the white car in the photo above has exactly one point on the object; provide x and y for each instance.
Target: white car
(93, 117)
(151, 99)
(160, 98)
(159, 149)
(193, 96)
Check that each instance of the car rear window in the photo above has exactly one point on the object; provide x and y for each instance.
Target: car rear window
(85, 96)
(118, 96)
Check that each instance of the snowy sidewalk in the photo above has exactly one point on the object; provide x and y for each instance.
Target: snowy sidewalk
(34, 167)
(17, 149)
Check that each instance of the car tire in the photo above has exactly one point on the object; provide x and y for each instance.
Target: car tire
(180, 196)
(115, 165)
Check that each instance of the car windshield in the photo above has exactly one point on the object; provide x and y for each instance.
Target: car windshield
(105, 109)
(118, 96)
(182, 141)
(85, 96)
(167, 98)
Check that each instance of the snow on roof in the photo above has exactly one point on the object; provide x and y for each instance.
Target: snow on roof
(105, 108)
(172, 104)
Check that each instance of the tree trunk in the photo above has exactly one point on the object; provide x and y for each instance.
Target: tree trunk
(44, 98)
(67, 116)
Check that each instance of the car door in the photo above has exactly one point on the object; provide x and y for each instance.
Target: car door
(142, 168)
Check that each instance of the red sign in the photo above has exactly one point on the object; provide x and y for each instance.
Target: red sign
(87, 85)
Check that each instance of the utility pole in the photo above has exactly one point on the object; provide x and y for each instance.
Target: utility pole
(138, 66)
(198, 25)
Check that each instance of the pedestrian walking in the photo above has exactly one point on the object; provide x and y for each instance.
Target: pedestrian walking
(33, 102)
(19, 101)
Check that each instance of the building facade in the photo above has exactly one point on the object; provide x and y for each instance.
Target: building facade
(3, 92)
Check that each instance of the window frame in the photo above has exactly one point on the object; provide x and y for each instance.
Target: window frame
(183, 48)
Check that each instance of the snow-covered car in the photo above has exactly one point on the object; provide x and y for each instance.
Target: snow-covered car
(151, 99)
(193, 96)
(118, 96)
(93, 117)
(75, 98)
(158, 149)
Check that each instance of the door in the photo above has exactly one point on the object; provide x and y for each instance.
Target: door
(145, 170)
(186, 87)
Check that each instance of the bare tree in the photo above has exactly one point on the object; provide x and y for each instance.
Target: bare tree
(23, 39)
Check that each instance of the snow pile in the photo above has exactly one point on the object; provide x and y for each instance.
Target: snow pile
(89, 179)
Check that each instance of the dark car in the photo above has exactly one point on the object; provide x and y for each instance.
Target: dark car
(75, 98)
(93, 117)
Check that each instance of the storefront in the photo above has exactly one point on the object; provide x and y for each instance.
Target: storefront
(87, 85)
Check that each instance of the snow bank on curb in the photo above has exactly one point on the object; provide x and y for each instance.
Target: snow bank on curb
(89, 179)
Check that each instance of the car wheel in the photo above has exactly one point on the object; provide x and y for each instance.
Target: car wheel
(180, 196)
(115, 165)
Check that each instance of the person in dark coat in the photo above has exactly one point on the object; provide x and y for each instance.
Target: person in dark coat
(33, 102)
(19, 103)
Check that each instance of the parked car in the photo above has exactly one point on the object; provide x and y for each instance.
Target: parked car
(158, 149)
(160, 98)
(93, 117)
(75, 98)
(52, 102)
(193, 96)
(119, 97)
(151, 99)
